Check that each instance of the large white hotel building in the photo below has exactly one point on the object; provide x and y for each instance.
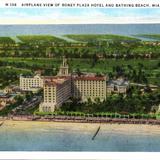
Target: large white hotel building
(58, 89)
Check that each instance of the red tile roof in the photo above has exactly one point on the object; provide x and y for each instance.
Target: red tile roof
(55, 80)
(90, 78)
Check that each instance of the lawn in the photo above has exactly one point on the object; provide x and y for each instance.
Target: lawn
(39, 38)
(6, 40)
(100, 37)
(152, 36)
(10, 75)
(29, 62)
(151, 67)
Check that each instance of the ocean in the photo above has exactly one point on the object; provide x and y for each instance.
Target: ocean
(49, 136)
(121, 29)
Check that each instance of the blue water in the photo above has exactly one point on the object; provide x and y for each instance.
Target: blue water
(122, 29)
(46, 137)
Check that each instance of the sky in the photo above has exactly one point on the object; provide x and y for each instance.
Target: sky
(78, 15)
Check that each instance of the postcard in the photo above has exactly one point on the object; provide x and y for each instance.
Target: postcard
(79, 77)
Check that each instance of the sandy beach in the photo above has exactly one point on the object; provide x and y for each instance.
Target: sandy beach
(60, 136)
(79, 127)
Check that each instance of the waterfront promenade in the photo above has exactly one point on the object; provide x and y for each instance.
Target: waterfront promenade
(79, 119)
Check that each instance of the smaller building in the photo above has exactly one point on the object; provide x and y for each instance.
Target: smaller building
(156, 109)
(6, 99)
(117, 86)
(56, 91)
(31, 83)
(11, 89)
(8, 89)
(1, 106)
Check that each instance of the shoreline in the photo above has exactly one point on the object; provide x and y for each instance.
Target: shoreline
(90, 120)
(61, 136)
(85, 128)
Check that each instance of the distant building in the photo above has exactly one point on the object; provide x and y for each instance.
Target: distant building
(6, 99)
(31, 83)
(8, 89)
(117, 86)
(11, 89)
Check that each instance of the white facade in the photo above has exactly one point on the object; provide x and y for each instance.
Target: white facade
(118, 86)
(89, 87)
(56, 92)
(31, 83)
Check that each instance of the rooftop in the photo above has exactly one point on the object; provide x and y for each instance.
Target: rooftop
(5, 96)
(30, 76)
(118, 82)
(55, 80)
(90, 78)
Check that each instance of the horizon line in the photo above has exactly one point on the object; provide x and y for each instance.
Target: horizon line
(145, 23)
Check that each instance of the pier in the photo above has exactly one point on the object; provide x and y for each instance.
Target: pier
(96, 133)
